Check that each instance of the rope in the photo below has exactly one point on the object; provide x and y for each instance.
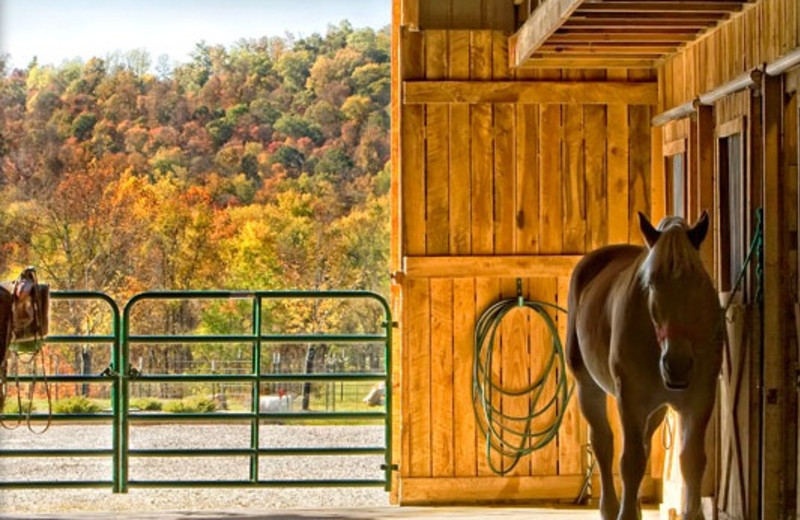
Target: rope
(514, 436)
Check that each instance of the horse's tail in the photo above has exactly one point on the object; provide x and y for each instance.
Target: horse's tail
(572, 347)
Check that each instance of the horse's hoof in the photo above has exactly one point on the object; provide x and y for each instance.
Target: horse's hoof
(609, 511)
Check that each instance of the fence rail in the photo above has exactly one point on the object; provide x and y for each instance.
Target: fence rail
(121, 377)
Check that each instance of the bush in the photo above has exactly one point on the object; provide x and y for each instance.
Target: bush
(147, 404)
(12, 407)
(196, 404)
(75, 404)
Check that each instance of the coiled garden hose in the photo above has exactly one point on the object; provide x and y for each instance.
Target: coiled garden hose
(514, 436)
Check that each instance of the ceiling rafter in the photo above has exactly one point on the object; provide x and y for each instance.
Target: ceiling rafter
(578, 32)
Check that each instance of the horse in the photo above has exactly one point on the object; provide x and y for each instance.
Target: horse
(644, 325)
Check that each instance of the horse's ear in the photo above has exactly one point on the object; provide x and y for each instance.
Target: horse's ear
(649, 233)
(697, 233)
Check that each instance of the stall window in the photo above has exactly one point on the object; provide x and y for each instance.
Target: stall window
(675, 171)
(731, 175)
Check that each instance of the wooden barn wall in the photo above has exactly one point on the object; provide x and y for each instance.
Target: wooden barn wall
(505, 181)
(497, 15)
(768, 119)
(760, 34)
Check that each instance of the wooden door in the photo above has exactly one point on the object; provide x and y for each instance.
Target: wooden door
(737, 450)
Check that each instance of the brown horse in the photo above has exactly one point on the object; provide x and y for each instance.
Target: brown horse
(644, 326)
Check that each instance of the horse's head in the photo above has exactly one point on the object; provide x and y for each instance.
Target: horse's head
(679, 292)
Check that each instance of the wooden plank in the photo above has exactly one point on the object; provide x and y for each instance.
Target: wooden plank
(435, 15)
(574, 433)
(550, 185)
(441, 385)
(427, 491)
(688, 7)
(639, 170)
(590, 36)
(396, 254)
(437, 150)
(545, 460)
(482, 149)
(618, 174)
(527, 206)
(593, 62)
(504, 178)
(540, 25)
(467, 14)
(464, 429)
(573, 181)
(410, 14)
(486, 294)
(705, 170)
(460, 166)
(596, 177)
(658, 178)
(774, 303)
(576, 92)
(417, 416)
(498, 266)
(412, 151)
(515, 376)
(610, 49)
(486, 290)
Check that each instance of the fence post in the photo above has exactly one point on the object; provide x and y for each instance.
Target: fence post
(256, 404)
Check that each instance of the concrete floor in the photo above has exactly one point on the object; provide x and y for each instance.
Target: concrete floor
(421, 513)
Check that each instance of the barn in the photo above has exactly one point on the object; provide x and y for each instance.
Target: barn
(529, 132)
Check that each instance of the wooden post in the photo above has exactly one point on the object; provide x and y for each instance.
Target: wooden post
(773, 472)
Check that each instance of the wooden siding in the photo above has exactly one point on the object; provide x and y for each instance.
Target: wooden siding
(760, 34)
(491, 192)
(767, 119)
(498, 15)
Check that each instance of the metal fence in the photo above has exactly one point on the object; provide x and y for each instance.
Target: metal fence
(122, 377)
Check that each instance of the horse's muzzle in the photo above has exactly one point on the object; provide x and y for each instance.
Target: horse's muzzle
(676, 370)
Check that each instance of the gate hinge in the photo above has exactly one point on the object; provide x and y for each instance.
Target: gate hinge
(393, 467)
(109, 372)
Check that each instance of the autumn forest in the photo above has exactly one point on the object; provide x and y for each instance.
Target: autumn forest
(260, 166)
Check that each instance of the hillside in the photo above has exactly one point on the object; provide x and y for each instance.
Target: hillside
(263, 165)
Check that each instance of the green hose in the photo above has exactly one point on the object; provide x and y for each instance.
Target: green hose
(514, 436)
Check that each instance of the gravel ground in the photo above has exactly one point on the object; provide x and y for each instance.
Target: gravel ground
(184, 468)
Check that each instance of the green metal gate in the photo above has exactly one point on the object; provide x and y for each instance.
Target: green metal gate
(121, 376)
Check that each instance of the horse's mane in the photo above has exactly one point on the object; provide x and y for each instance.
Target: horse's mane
(672, 256)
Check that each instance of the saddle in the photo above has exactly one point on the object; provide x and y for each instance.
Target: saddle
(30, 302)
(24, 323)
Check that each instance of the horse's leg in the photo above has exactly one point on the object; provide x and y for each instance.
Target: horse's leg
(592, 400)
(653, 423)
(634, 460)
(693, 459)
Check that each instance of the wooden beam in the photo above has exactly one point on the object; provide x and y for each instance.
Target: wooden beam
(597, 56)
(626, 23)
(541, 25)
(661, 7)
(425, 491)
(775, 300)
(533, 92)
(619, 37)
(606, 48)
(589, 63)
(499, 266)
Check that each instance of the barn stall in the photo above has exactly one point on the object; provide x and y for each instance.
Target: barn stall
(526, 135)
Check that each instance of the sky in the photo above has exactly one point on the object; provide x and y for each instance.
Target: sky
(58, 30)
